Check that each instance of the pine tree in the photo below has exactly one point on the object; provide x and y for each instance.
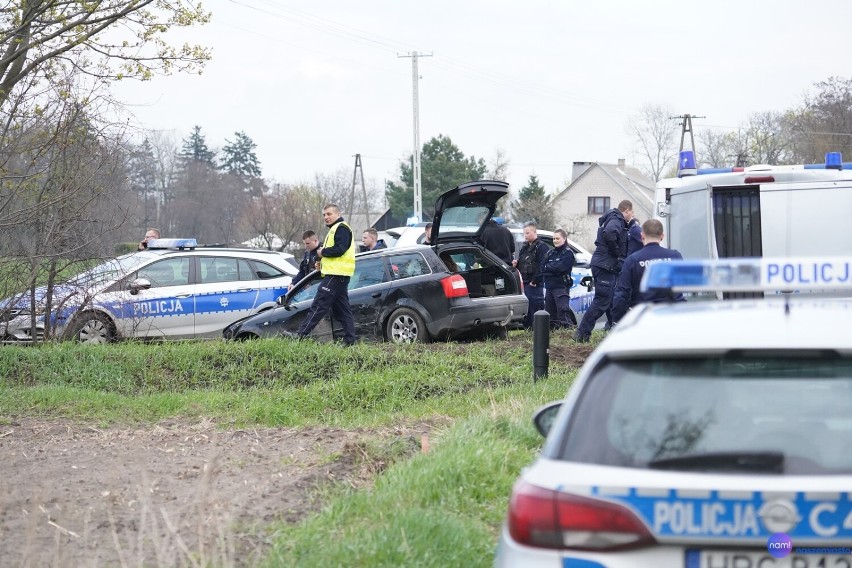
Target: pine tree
(195, 149)
(239, 157)
(443, 167)
(533, 204)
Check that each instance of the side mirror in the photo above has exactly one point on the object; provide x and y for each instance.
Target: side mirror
(139, 284)
(281, 300)
(588, 282)
(545, 416)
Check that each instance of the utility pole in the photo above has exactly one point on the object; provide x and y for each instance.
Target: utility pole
(415, 167)
(686, 126)
(358, 166)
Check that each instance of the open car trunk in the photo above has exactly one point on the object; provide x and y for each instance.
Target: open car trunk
(485, 274)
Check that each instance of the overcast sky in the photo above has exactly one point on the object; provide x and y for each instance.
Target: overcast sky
(548, 82)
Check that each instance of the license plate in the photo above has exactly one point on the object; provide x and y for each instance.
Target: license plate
(733, 559)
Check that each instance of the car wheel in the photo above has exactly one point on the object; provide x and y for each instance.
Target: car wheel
(92, 327)
(406, 326)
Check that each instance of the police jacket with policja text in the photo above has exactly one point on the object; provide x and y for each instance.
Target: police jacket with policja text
(627, 293)
(557, 266)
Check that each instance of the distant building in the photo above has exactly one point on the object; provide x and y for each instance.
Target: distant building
(595, 189)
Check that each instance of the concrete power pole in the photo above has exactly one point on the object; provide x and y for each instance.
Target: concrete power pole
(358, 166)
(415, 167)
(686, 126)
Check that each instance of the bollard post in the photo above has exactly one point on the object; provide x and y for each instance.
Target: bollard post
(541, 344)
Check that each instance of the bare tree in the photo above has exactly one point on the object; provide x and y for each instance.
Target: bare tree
(106, 39)
(655, 137)
(63, 189)
(823, 123)
(284, 211)
(498, 166)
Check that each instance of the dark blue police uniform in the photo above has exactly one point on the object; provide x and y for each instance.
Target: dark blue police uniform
(556, 274)
(627, 292)
(610, 250)
(530, 262)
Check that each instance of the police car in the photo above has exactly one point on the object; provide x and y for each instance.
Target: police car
(174, 289)
(703, 434)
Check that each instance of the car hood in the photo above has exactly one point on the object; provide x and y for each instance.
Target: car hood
(63, 295)
(462, 212)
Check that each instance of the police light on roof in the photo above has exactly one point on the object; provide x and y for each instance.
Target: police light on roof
(686, 164)
(751, 275)
(172, 244)
(833, 161)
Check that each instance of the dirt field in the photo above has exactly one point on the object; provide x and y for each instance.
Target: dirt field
(171, 494)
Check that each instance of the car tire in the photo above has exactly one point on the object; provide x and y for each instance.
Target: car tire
(92, 327)
(406, 326)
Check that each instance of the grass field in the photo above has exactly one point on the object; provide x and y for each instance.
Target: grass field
(441, 508)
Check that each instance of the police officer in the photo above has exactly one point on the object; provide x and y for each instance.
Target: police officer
(556, 274)
(529, 263)
(337, 265)
(310, 259)
(371, 241)
(627, 292)
(610, 251)
(499, 240)
(634, 236)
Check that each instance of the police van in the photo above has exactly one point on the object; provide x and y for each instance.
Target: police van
(757, 210)
(173, 289)
(702, 435)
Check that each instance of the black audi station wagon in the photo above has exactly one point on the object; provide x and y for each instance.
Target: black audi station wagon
(451, 289)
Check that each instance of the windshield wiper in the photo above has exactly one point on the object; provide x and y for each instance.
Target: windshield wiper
(714, 461)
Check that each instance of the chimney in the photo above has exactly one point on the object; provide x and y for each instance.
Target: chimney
(578, 169)
(621, 162)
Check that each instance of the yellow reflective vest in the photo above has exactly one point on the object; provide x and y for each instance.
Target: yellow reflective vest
(338, 265)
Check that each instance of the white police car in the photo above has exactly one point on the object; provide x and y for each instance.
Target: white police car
(702, 434)
(171, 290)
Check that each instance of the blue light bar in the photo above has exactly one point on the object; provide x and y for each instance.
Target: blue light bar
(833, 161)
(686, 164)
(750, 275)
(172, 244)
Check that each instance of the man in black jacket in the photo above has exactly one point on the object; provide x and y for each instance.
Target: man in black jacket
(627, 292)
(609, 255)
(309, 260)
(499, 240)
(529, 264)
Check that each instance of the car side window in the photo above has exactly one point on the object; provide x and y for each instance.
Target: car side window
(368, 271)
(168, 272)
(218, 269)
(408, 266)
(265, 271)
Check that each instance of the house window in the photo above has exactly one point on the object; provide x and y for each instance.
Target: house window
(598, 205)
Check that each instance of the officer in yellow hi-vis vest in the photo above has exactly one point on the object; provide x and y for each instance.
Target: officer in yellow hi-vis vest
(337, 265)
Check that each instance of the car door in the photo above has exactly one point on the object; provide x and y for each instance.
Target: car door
(227, 290)
(167, 308)
(368, 288)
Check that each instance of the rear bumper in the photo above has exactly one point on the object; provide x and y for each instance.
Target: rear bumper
(476, 314)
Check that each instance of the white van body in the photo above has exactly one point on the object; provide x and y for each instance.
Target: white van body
(777, 211)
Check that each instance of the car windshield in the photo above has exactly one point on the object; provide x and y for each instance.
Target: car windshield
(715, 414)
(462, 220)
(111, 269)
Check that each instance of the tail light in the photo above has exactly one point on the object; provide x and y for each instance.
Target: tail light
(545, 518)
(454, 286)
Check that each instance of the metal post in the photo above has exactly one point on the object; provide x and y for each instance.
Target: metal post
(415, 157)
(418, 196)
(541, 344)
